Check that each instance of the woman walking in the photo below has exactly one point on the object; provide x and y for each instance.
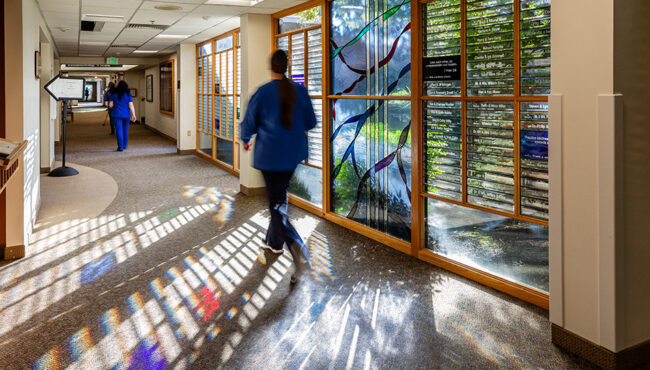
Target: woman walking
(122, 109)
(280, 113)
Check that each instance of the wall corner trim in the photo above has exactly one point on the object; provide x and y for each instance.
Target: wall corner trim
(610, 222)
(556, 235)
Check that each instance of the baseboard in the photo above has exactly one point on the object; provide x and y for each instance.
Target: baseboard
(252, 191)
(185, 151)
(12, 253)
(45, 170)
(635, 357)
(161, 133)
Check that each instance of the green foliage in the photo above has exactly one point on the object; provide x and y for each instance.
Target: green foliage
(310, 15)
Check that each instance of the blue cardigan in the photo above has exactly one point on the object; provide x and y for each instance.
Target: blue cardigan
(276, 148)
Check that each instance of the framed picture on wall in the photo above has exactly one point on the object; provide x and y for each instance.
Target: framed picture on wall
(134, 92)
(149, 88)
(166, 87)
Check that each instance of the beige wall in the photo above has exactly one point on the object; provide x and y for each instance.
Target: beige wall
(187, 97)
(256, 53)
(135, 79)
(632, 80)
(162, 122)
(582, 68)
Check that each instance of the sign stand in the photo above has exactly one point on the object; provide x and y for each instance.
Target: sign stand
(64, 89)
(64, 170)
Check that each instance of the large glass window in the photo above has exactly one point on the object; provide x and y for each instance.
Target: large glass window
(299, 35)
(486, 72)
(219, 90)
(370, 112)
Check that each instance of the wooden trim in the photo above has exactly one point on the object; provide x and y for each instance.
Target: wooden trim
(251, 191)
(185, 151)
(298, 8)
(45, 170)
(160, 87)
(326, 109)
(486, 98)
(290, 33)
(224, 166)
(417, 145)
(631, 358)
(159, 133)
(524, 293)
(517, 137)
(376, 235)
(13, 252)
(307, 206)
(370, 97)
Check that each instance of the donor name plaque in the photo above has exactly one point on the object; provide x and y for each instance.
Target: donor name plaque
(445, 68)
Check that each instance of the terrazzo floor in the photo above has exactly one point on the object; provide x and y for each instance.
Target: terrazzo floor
(169, 275)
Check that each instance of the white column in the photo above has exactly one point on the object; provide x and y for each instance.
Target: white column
(187, 97)
(255, 70)
(47, 125)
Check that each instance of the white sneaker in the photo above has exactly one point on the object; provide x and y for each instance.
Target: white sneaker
(273, 250)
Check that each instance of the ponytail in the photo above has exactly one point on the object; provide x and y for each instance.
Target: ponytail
(286, 90)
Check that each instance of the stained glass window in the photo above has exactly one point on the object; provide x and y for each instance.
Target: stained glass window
(370, 144)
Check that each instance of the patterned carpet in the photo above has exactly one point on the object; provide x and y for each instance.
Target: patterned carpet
(169, 275)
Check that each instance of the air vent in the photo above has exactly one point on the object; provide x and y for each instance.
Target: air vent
(125, 46)
(140, 26)
(92, 26)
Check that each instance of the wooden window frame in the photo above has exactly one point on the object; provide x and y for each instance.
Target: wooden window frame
(160, 87)
(275, 35)
(236, 96)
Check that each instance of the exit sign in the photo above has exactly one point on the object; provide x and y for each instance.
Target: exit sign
(111, 60)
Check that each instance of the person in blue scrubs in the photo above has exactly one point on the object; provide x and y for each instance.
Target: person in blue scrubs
(280, 113)
(122, 111)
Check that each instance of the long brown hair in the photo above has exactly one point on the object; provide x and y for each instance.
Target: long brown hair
(287, 91)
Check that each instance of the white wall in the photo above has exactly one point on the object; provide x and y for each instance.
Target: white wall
(187, 97)
(135, 79)
(162, 122)
(33, 26)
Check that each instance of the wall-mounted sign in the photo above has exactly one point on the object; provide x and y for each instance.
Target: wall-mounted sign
(299, 79)
(93, 65)
(534, 145)
(441, 68)
(111, 60)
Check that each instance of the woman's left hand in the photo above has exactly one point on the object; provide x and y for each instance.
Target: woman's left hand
(133, 119)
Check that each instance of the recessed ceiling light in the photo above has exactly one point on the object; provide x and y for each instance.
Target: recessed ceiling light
(168, 7)
(145, 51)
(172, 36)
(109, 18)
(63, 29)
(95, 43)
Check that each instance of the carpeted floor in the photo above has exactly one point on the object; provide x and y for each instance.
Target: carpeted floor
(169, 275)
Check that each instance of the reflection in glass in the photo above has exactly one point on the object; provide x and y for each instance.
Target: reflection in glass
(490, 48)
(442, 39)
(224, 43)
(371, 164)
(314, 62)
(307, 184)
(515, 250)
(535, 47)
(225, 151)
(534, 159)
(490, 155)
(205, 143)
(443, 152)
(205, 49)
(300, 20)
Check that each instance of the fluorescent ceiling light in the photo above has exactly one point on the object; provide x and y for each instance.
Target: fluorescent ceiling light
(172, 36)
(145, 51)
(233, 2)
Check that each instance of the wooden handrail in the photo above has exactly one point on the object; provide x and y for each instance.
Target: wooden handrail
(9, 165)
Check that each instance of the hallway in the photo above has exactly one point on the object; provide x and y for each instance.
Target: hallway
(164, 270)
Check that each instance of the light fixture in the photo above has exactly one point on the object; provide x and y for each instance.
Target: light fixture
(145, 51)
(63, 29)
(108, 18)
(172, 36)
(168, 7)
(93, 43)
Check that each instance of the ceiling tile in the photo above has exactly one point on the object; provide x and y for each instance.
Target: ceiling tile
(64, 6)
(185, 8)
(157, 17)
(120, 4)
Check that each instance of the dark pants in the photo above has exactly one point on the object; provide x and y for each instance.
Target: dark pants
(280, 229)
(121, 131)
